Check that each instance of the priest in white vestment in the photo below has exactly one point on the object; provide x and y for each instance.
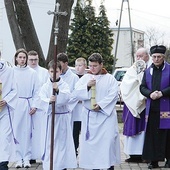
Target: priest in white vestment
(134, 107)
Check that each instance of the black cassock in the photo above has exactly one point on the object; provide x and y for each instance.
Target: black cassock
(157, 141)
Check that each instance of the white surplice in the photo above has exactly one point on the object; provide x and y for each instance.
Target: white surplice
(9, 93)
(64, 152)
(28, 88)
(102, 148)
(43, 76)
(135, 102)
(71, 79)
(42, 73)
(131, 95)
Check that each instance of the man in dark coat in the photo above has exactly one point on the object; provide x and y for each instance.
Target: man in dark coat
(156, 87)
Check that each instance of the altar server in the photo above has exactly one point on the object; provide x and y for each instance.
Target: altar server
(99, 140)
(8, 93)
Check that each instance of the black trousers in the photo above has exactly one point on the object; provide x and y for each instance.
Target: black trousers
(76, 133)
(4, 165)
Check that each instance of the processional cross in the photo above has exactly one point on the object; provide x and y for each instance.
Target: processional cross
(56, 14)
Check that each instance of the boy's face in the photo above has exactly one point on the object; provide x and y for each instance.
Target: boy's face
(33, 61)
(80, 67)
(51, 72)
(95, 67)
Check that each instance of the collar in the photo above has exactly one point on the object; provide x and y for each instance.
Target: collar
(22, 66)
(103, 71)
(55, 81)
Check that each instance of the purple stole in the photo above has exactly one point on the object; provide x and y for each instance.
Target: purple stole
(164, 101)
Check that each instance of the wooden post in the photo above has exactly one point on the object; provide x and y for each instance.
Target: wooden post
(56, 15)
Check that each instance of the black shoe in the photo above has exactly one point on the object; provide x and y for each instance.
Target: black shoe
(4, 165)
(167, 164)
(32, 161)
(145, 161)
(135, 160)
(153, 164)
(111, 168)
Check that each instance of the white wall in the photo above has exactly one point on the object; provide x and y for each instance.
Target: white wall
(124, 57)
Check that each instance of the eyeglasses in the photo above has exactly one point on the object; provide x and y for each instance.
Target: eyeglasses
(33, 60)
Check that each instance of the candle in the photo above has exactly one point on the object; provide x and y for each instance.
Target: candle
(93, 96)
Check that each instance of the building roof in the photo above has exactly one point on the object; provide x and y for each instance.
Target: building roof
(128, 29)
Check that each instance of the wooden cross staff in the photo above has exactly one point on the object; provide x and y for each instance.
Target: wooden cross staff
(56, 14)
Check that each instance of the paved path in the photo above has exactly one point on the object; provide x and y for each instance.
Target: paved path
(123, 165)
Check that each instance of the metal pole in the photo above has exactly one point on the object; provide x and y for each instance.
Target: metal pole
(56, 28)
(131, 35)
(117, 41)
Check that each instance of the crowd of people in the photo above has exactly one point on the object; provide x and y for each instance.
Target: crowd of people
(77, 112)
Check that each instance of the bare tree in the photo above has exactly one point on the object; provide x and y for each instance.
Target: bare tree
(154, 36)
(22, 27)
(23, 30)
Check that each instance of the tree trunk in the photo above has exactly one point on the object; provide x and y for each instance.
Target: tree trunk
(12, 20)
(27, 28)
(22, 27)
(24, 33)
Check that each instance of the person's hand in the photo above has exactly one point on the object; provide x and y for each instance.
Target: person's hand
(159, 94)
(2, 103)
(55, 86)
(153, 95)
(96, 107)
(91, 83)
(156, 95)
(33, 110)
(52, 98)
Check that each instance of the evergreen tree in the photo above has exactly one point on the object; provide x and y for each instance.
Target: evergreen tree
(80, 38)
(76, 39)
(104, 45)
(90, 34)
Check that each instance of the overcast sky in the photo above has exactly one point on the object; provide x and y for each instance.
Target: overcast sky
(144, 15)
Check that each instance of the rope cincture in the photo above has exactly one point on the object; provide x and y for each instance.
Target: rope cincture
(32, 123)
(87, 130)
(10, 119)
